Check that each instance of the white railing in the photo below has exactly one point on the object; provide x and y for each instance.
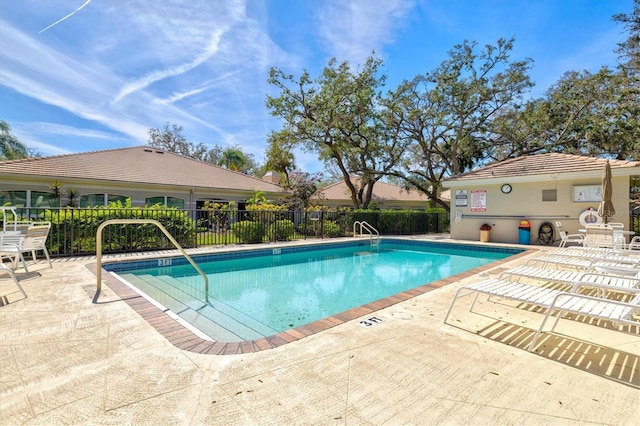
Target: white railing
(359, 229)
(164, 231)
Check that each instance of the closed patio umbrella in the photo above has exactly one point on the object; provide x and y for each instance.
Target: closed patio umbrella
(605, 209)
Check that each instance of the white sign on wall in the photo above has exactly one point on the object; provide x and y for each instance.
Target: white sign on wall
(461, 198)
(478, 200)
(587, 193)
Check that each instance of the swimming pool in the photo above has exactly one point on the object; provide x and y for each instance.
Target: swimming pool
(262, 292)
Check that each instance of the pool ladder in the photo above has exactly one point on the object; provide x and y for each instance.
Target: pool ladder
(164, 231)
(359, 229)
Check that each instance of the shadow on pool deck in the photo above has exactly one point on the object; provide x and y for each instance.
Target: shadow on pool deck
(66, 360)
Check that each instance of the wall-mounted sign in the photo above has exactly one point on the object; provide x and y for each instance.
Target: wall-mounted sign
(478, 200)
(461, 198)
(587, 193)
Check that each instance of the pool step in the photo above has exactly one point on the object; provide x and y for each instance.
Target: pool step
(220, 307)
(174, 302)
(220, 322)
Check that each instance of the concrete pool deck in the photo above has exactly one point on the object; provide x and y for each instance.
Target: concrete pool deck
(68, 360)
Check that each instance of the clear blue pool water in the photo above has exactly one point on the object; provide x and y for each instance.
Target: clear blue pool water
(258, 293)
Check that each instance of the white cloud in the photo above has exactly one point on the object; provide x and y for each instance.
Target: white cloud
(65, 17)
(210, 50)
(593, 55)
(63, 130)
(353, 29)
(201, 65)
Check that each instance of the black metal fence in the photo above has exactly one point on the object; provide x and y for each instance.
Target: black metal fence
(73, 230)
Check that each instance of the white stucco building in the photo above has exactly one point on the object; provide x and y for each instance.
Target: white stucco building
(542, 188)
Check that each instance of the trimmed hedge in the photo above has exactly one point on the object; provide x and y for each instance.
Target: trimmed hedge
(281, 230)
(403, 222)
(248, 231)
(78, 227)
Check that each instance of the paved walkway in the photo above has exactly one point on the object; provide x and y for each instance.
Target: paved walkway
(69, 361)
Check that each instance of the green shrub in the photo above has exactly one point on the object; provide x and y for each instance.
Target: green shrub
(281, 230)
(331, 229)
(75, 229)
(248, 231)
(321, 228)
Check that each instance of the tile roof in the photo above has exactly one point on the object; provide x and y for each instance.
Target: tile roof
(381, 192)
(141, 165)
(543, 164)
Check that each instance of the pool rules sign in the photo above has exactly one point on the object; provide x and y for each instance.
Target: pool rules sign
(478, 200)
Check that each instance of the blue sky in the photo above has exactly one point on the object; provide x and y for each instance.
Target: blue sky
(84, 75)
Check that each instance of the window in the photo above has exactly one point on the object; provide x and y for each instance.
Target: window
(111, 198)
(177, 203)
(170, 202)
(95, 200)
(152, 201)
(91, 200)
(549, 195)
(13, 198)
(43, 200)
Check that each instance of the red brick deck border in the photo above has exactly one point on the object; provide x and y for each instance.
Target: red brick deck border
(183, 338)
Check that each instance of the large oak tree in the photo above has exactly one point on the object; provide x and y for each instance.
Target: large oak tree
(446, 116)
(337, 116)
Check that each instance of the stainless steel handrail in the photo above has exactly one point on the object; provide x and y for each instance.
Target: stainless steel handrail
(164, 231)
(366, 226)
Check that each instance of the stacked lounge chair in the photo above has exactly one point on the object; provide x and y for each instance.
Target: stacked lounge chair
(569, 274)
(589, 260)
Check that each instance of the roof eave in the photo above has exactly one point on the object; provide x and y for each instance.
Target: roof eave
(585, 174)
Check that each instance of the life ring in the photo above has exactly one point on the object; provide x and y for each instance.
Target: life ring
(590, 217)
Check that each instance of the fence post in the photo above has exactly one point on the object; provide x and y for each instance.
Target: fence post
(72, 233)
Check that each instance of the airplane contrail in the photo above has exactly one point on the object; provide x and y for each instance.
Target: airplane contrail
(62, 19)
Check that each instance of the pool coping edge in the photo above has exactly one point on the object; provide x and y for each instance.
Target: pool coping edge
(183, 338)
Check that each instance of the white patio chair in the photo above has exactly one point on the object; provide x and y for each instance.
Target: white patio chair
(6, 269)
(599, 236)
(568, 238)
(634, 244)
(619, 240)
(14, 244)
(9, 242)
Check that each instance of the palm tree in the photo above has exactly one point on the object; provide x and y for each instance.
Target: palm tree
(10, 147)
(232, 159)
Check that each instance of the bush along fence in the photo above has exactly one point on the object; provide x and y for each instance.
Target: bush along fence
(73, 230)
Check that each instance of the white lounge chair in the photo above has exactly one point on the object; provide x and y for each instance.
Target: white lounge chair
(564, 276)
(15, 244)
(587, 262)
(594, 307)
(568, 238)
(615, 281)
(596, 252)
(554, 301)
